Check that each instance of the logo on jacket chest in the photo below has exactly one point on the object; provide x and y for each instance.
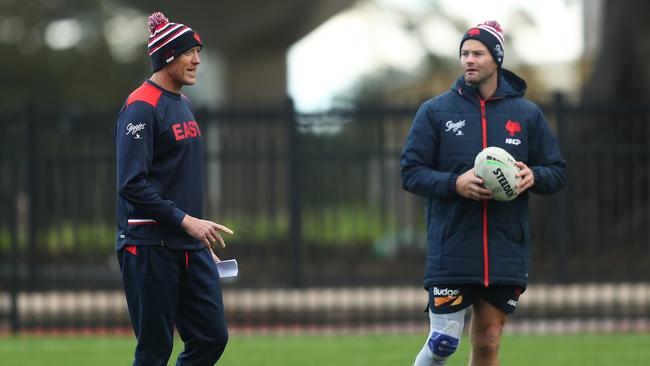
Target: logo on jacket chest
(513, 128)
(455, 127)
(186, 130)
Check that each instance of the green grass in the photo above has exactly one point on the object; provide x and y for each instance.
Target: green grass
(388, 350)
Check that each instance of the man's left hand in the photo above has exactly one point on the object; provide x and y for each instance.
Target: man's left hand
(526, 175)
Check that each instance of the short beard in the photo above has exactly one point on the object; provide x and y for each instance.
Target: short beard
(482, 81)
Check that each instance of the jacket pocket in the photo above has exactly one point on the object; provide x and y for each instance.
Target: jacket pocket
(506, 221)
(461, 217)
(136, 266)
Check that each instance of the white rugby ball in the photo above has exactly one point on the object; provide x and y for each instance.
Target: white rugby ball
(499, 173)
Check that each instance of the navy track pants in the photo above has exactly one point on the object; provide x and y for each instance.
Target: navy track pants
(166, 288)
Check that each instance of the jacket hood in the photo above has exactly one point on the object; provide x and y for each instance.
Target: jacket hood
(509, 85)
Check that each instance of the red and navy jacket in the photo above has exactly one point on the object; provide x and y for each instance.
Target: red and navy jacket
(469, 241)
(159, 169)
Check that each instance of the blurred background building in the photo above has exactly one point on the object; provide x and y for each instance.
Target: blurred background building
(305, 106)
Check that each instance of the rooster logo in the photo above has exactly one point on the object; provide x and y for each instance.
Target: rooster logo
(473, 32)
(513, 127)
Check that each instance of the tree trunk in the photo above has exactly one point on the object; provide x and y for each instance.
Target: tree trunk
(621, 69)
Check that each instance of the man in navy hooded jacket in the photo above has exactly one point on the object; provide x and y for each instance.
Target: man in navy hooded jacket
(478, 248)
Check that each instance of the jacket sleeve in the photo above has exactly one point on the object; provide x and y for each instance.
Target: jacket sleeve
(135, 136)
(544, 158)
(419, 157)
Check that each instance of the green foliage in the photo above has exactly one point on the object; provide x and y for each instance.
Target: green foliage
(68, 237)
(85, 75)
(64, 238)
(330, 226)
(5, 239)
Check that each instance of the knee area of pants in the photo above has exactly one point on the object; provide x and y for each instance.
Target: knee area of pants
(442, 345)
(215, 340)
(224, 337)
(219, 339)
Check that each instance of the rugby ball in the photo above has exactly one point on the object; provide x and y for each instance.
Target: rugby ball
(499, 173)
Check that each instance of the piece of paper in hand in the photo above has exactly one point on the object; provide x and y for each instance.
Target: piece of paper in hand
(228, 268)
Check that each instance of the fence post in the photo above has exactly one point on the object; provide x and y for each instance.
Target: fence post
(383, 191)
(31, 150)
(14, 255)
(294, 195)
(561, 225)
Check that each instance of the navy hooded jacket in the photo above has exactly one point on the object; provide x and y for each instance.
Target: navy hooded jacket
(159, 169)
(469, 241)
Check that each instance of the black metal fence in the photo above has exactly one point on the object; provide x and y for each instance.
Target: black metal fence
(315, 199)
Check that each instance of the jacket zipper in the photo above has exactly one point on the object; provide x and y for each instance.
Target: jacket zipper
(486, 261)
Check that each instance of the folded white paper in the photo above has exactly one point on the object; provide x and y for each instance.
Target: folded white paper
(228, 268)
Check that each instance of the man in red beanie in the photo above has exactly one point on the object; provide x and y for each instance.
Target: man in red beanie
(163, 244)
(478, 248)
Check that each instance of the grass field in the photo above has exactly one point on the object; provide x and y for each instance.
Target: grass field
(376, 350)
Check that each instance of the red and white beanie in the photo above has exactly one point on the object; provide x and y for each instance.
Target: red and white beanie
(490, 34)
(168, 40)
